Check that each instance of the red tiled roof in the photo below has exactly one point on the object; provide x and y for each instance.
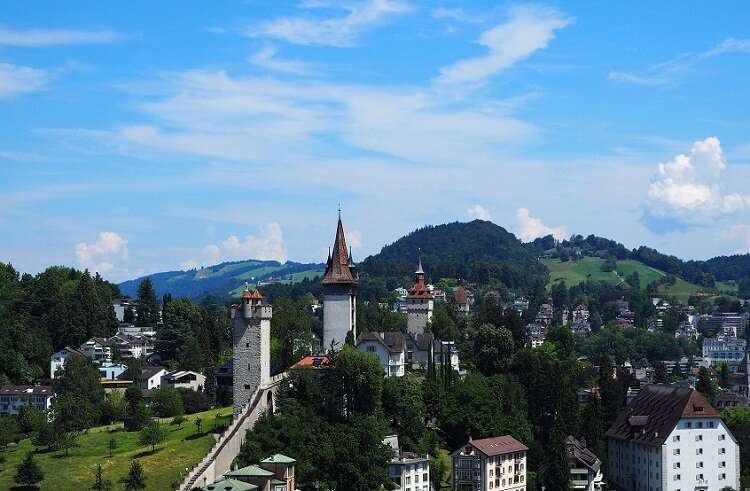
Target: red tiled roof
(654, 413)
(419, 290)
(498, 445)
(337, 269)
(315, 362)
(461, 296)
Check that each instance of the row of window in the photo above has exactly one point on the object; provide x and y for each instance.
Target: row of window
(699, 465)
(699, 477)
(425, 478)
(699, 451)
(497, 483)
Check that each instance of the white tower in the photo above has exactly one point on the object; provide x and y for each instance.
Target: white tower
(252, 347)
(339, 294)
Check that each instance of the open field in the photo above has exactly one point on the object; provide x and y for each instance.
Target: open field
(575, 272)
(183, 448)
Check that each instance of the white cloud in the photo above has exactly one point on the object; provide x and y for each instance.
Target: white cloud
(103, 254)
(529, 29)
(455, 14)
(670, 70)
(15, 79)
(267, 245)
(479, 212)
(31, 38)
(335, 31)
(529, 228)
(688, 188)
(266, 58)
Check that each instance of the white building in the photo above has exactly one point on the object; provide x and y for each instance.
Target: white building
(98, 349)
(724, 349)
(184, 379)
(110, 370)
(410, 471)
(151, 377)
(57, 360)
(497, 463)
(585, 467)
(14, 397)
(389, 347)
(668, 439)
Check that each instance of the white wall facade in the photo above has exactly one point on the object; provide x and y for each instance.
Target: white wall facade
(392, 363)
(699, 454)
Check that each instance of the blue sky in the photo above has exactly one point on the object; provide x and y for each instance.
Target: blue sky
(146, 136)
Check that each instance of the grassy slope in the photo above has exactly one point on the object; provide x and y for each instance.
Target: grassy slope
(183, 448)
(573, 273)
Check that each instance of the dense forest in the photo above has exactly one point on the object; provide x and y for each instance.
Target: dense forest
(43, 313)
(477, 252)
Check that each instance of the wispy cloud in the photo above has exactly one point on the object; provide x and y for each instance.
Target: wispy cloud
(266, 58)
(671, 70)
(15, 79)
(341, 31)
(33, 38)
(268, 244)
(528, 29)
(479, 212)
(455, 14)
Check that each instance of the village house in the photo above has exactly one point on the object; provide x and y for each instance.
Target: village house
(724, 349)
(57, 360)
(184, 379)
(389, 347)
(14, 397)
(585, 467)
(409, 471)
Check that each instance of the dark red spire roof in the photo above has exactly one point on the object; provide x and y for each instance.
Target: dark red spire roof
(337, 269)
(419, 290)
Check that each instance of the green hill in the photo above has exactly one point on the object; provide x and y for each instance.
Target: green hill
(225, 279)
(479, 251)
(590, 268)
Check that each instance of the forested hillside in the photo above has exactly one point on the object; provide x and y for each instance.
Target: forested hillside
(478, 251)
(40, 314)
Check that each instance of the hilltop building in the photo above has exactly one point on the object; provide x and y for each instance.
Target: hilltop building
(419, 304)
(252, 347)
(339, 294)
(671, 438)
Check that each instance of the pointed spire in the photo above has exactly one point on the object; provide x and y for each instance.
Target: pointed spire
(419, 268)
(339, 265)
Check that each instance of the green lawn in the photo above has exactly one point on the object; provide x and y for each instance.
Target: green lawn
(573, 273)
(183, 448)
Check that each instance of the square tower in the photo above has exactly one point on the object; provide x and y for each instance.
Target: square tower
(252, 347)
(339, 294)
(419, 304)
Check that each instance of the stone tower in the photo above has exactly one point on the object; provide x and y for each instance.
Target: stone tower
(419, 304)
(252, 347)
(339, 294)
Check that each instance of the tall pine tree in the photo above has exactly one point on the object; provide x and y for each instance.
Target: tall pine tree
(147, 312)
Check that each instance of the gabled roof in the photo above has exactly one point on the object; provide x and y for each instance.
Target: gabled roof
(38, 390)
(461, 296)
(578, 451)
(230, 485)
(148, 372)
(250, 471)
(394, 342)
(497, 445)
(278, 459)
(315, 362)
(654, 413)
(72, 351)
(337, 269)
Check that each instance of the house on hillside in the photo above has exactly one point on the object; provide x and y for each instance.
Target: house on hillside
(184, 379)
(57, 360)
(408, 470)
(14, 397)
(390, 349)
(497, 463)
(97, 349)
(585, 467)
(671, 438)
